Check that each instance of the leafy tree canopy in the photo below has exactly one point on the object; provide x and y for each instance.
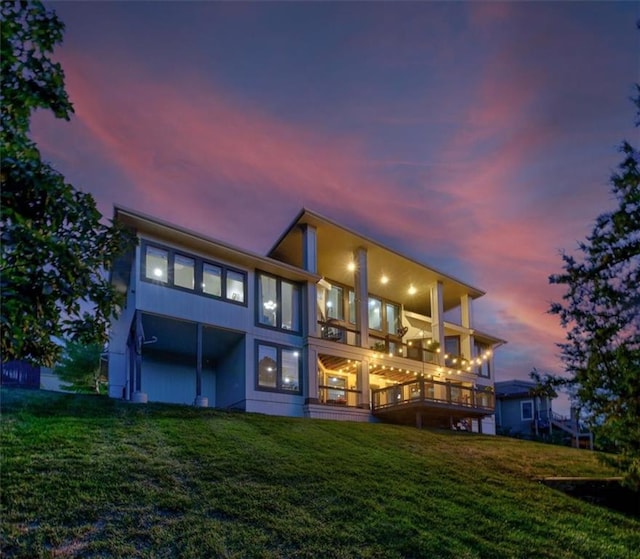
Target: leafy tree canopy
(601, 312)
(54, 245)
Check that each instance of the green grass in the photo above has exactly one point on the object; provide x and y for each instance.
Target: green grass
(85, 476)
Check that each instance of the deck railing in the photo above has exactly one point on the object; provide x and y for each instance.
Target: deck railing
(432, 391)
(337, 396)
(391, 345)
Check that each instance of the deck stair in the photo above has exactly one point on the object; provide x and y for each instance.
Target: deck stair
(571, 425)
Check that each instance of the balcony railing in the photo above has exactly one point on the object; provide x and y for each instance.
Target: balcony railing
(338, 396)
(390, 345)
(337, 332)
(433, 392)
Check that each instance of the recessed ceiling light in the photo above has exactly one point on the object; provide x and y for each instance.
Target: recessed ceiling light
(384, 280)
(351, 267)
(412, 290)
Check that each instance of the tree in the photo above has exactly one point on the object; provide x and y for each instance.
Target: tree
(81, 368)
(54, 247)
(601, 312)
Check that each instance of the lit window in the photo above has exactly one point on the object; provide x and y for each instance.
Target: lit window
(278, 303)
(352, 306)
(290, 302)
(267, 366)
(393, 318)
(235, 286)
(184, 271)
(267, 301)
(375, 313)
(157, 264)
(278, 368)
(334, 303)
(212, 280)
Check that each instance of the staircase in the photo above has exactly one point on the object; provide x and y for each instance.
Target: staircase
(571, 425)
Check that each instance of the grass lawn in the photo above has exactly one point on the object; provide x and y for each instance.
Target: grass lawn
(85, 476)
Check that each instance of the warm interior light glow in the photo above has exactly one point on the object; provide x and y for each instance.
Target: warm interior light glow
(157, 272)
(384, 280)
(412, 290)
(351, 267)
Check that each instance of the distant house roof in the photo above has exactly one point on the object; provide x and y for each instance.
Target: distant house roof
(511, 389)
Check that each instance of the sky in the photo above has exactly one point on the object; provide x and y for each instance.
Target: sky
(475, 137)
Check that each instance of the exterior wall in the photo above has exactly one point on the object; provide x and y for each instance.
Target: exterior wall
(511, 417)
(230, 379)
(118, 360)
(175, 383)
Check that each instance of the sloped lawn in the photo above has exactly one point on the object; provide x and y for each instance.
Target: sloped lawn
(86, 476)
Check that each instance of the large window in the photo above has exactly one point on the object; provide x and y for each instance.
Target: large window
(393, 318)
(278, 368)
(156, 264)
(483, 353)
(375, 314)
(335, 303)
(278, 303)
(190, 273)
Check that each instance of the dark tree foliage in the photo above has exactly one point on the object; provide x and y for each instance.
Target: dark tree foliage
(601, 312)
(54, 246)
(81, 368)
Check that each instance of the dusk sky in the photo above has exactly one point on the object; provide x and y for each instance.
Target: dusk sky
(474, 137)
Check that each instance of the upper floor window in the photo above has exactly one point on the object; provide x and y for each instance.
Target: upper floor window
(191, 273)
(335, 303)
(483, 354)
(278, 368)
(375, 313)
(278, 303)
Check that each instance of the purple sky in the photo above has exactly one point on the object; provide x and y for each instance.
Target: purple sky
(475, 137)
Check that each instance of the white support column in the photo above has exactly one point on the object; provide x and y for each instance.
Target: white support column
(466, 319)
(310, 263)
(365, 392)
(437, 317)
(310, 383)
(362, 295)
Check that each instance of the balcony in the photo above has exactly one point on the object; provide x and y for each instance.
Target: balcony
(437, 403)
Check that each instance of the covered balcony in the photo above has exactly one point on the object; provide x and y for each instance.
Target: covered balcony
(438, 403)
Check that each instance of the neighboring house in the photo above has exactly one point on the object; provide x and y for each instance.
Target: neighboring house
(521, 409)
(329, 324)
(524, 409)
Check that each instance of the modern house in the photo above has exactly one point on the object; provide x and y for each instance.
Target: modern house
(329, 324)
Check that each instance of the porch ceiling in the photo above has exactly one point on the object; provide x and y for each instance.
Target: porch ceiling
(178, 337)
(336, 246)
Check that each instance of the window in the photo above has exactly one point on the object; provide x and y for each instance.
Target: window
(375, 313)
(278, 368)
(156, 264)
(336, 391)
(212, 280)
(268, 301)
(184, 271)
(393, 318)
(289, 295)
(526, 410)
(235, 286)
(352, 306)
(483, 352)
(278, 303)
(188, 272)
(335, 306)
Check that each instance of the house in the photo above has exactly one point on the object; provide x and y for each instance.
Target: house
(329, 324)
(522, 409)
